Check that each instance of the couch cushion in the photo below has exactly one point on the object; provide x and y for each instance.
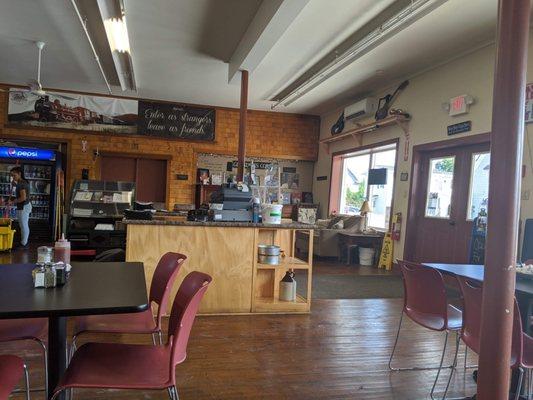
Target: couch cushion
(334, 220)
(353, 223)
(338, 225)
(322, 223)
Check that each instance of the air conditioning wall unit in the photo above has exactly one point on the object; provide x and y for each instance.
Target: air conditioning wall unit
(361, 109)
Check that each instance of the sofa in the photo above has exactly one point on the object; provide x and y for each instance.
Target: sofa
(325, 238)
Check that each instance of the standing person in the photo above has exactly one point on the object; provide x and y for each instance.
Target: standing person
(22, 200)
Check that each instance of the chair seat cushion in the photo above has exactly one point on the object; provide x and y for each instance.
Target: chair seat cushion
(436, 321)
(25, 328)
(142, 322)
(119, 366)
(11, 371)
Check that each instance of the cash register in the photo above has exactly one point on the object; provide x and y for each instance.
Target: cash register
(231, 204)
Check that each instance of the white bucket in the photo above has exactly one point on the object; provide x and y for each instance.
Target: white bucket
(366, 256)
(271, 213)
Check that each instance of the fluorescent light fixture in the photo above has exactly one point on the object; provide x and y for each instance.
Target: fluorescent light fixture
(117, 34)
(417, 9)
(114, 19)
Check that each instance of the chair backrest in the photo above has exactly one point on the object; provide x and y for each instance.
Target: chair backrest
(164, 276)
(184, 309)
(424, 293)
(472, 294)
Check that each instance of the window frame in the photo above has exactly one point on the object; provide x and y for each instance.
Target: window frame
(337, 167)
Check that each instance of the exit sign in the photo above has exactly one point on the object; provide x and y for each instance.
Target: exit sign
(458, 105)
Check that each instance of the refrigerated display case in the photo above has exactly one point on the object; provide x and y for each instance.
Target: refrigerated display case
(39, 167)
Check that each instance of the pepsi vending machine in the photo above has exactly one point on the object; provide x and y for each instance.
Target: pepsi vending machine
(39, 166)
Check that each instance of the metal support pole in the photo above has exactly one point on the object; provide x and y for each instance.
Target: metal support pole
(504, 198)
(243, 111)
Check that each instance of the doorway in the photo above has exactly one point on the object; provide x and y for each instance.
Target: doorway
(149, 175)
(449, 189)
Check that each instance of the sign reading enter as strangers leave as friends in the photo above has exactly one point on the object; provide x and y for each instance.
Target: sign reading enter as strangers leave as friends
(175, 121)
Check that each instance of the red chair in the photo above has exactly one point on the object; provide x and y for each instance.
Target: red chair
(143, 322)
(34, 329)
(426, 303)
(143, 367)
(12, 369)
(472, 294)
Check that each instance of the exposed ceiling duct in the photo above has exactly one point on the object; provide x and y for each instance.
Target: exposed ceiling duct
(392, 20)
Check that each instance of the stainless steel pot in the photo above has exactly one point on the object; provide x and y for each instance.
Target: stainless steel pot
(268, 250)
(271, 260)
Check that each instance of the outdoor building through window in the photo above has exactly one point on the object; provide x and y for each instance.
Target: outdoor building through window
(365, 175)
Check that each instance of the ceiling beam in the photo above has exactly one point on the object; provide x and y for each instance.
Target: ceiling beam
(270, 22)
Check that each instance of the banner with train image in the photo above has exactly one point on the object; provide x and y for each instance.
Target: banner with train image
(73, 111)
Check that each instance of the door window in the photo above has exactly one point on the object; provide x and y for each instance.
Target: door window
(478, 195)
(440, 187)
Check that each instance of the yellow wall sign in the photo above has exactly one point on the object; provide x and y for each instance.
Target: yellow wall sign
(385, 259)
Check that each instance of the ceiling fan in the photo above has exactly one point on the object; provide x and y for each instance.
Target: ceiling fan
(34, 85)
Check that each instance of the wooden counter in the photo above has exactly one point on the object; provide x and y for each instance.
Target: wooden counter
(228, 252)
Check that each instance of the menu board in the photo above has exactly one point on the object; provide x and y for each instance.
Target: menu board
(175, 121)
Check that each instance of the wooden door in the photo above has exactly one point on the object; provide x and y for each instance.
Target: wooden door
(151, 180)
(118, 169)
(149, 175)
(453, 187)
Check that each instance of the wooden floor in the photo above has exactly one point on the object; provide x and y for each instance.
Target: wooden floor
(339, 351)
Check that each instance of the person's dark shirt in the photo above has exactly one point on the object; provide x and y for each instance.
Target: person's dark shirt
(22, 185)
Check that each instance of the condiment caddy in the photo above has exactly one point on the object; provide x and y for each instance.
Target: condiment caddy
(53, 265)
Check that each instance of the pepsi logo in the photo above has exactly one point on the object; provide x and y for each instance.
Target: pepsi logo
(11, 152)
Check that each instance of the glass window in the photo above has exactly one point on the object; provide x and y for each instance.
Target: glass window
(479, 184)
(380, 196)
(440, 184)
(354, 183)
(355, 188)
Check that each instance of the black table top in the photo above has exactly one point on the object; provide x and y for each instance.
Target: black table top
(477, 272)
(93, 288)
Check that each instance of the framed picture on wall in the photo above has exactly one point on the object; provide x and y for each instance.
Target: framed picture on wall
(202, 176)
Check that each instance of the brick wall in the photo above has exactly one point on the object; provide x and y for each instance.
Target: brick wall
(269, 134)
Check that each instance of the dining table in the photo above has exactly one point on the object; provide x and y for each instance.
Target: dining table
(93, 288)
(523, 288)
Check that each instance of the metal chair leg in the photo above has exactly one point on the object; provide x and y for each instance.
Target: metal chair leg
(27, 382)
(529, 376)
(72, 349)
(153, 339)
(45, 360)
(160, 334)
(407, 368)
(440, 365)
(519, 384)
(457, 341)
(173, 393)
(395, 344)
